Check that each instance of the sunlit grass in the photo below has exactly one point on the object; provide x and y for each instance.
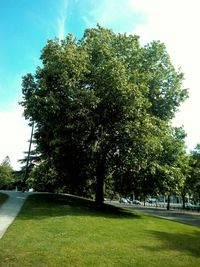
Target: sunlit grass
(3, 198)
(58, 230)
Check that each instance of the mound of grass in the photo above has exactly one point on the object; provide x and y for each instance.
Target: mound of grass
(60, 230)
(3, 198)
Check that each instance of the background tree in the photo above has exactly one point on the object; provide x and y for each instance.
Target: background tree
(97, 104)
(192, 184)
(6, 174)
(173, 163)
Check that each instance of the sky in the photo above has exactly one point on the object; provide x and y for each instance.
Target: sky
(26, 25)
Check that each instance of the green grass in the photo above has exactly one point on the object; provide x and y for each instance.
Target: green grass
(3, 198)
(58, 230)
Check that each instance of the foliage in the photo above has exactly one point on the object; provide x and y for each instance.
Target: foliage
(6, 174)
(98, 105)
(193, 182)
(165, 169)
(42, 177)
(174, 162)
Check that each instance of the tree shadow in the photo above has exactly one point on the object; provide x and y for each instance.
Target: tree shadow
(3, 198)
(41, 206)
(188, 243)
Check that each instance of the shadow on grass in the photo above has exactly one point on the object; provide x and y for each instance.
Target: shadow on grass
(188, 243)
(3, 198)
(41, 206)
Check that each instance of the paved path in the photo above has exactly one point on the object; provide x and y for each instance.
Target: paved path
(192, 218)
(10, 209)
(174, 215)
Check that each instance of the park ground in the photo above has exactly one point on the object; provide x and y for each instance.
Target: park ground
(63, 230)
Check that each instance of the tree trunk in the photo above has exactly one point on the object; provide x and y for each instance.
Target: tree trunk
(99, 191)
(183, 197)
(168, 202)
(100, 175)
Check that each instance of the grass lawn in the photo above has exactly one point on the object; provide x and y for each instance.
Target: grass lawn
(3, 198)
(58, 230)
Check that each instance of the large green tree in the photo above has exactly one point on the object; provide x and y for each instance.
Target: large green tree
(98, 103)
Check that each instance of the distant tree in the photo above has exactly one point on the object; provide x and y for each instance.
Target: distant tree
(163, 170)
(173, 167)
(192, 184)
(6, 174)
(6, 161)
(98, 103)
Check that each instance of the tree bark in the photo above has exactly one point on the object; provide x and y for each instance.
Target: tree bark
(99, 191)
(100, 175)
(168, 202)
(183, 197)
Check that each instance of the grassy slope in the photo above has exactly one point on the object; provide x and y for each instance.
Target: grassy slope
(3, 198)
(64, 231)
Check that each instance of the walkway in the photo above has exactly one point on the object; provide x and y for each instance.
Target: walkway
(10, 209)
(192, 218)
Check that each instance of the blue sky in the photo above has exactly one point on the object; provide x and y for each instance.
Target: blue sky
(26, 25)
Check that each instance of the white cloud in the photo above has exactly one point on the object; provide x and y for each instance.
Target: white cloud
(62, 20)
(176, 23)
(14, 135)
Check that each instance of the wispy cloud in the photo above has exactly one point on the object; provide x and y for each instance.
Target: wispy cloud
(62, 19)
(115, 14)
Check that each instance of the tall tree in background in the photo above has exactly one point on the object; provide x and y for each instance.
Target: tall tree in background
(193, 181)
(98, 104)
(173, 167)
(6, 174)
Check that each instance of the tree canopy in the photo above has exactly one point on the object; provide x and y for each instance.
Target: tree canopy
(101, 106)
